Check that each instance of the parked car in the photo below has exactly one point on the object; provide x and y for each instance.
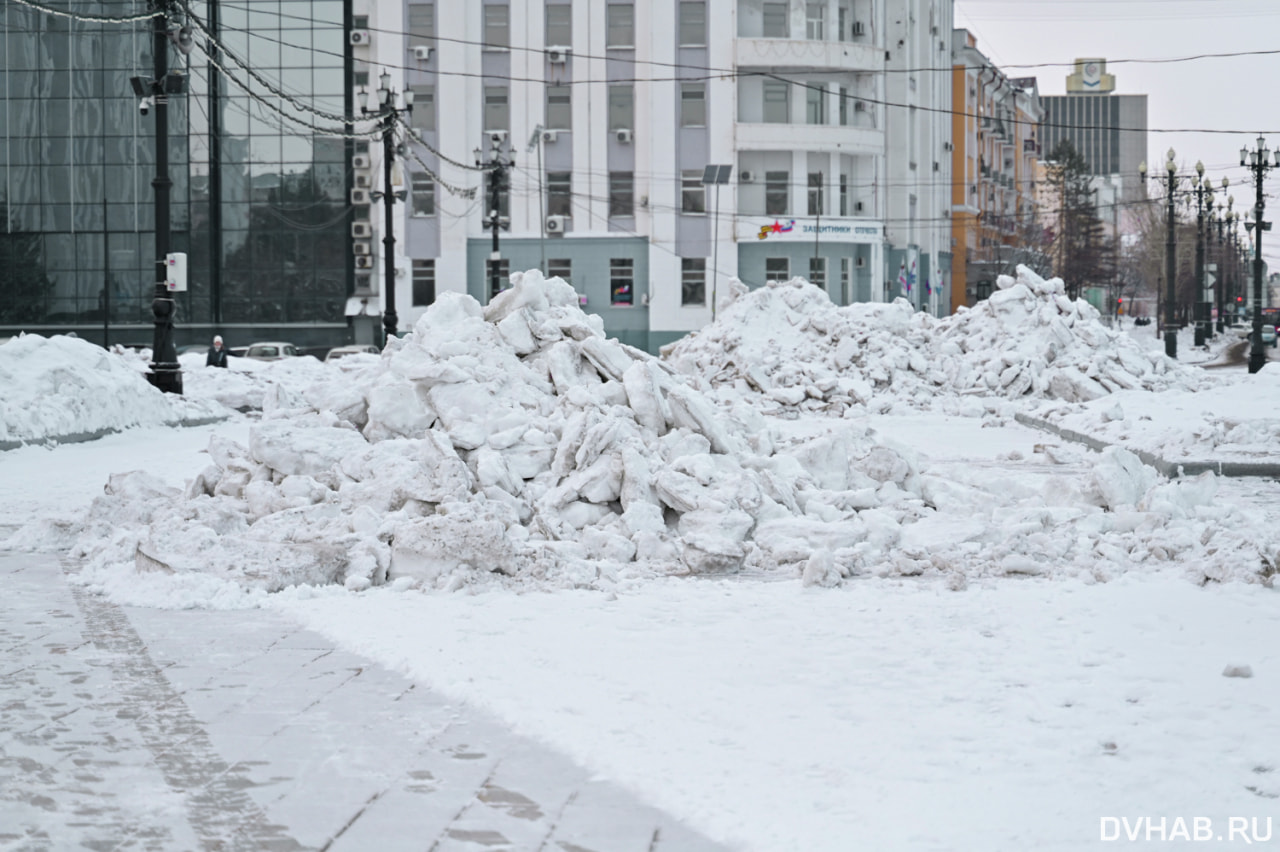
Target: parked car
(356, 349)
(271, 351)
(1268, 335)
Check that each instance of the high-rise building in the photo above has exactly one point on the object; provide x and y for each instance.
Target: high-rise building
(1107, 129)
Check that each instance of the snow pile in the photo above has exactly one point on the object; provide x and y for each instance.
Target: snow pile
(788, 342)
(64, 388)
(514, 439)
(516, 444)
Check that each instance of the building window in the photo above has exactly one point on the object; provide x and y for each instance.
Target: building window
(777, 269)
(559, 108)
(422, 24)
(815, 104)
(693, 105)
(846, 281)
(424, 108)
(775, 193)
(777, 22)
(622, 274)
(621, 194)
(497, 109)
(844, 195)
(693, 281)
(693, 192)
(497, 27)
(693, 24)
(502, 268)
(815, 20)
(818, 272)
(815, 194)
(844, 107)
(424, 195)
(559, 25)
(620, 25)
(560, 267)
(622, 112)
(777, 102)
(424, 283)
(844, 20)
(559, 194)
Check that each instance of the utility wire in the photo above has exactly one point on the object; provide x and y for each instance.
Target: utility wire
(96, 19)
(913, 70)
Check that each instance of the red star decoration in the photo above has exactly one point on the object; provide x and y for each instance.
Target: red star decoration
(777, 227)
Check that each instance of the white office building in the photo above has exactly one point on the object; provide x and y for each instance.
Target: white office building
(826, 116)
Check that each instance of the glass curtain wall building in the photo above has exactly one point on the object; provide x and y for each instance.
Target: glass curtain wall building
(259, 201)
(76, 244)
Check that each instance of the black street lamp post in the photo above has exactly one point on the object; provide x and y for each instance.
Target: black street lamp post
(165, 373)
(388, 115)
(1170, 258)
(1220, 286)
(498, 164)
(1259, 162)
(1204, 210)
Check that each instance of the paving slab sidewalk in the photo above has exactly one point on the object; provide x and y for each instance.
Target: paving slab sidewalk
(125, 728)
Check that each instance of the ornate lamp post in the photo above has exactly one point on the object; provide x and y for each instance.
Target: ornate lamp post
(1259, 162)
(1170, 257)
(1220, 287)
(1204, 209)
(498, 164)
(388, 114)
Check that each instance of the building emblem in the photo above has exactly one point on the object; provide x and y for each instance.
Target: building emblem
(776, 228)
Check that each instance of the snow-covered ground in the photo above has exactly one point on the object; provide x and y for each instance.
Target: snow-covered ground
(932, 610)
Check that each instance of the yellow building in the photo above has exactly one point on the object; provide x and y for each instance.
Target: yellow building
(994, 225)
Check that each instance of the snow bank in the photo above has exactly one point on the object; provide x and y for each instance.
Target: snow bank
(788, 343)
(1235, 422)
(63, 388)
(515, 444)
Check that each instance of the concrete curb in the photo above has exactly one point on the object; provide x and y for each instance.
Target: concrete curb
(83, 437)
(1171, 470)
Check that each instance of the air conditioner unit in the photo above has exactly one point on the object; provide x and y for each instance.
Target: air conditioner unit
(947, 146)
(860, 262)
(550, 135)
(361, 230)
(624, 135)
(359, 38)
(364, 261)
(745, 176)
(859, 106)
(362, 248)
(557, 54)
(421, 51)
(498, 136)
(364, 180)
(359, 196)
(556, 224)
(859, 28)
(857, 207)
(360, 161)
(937, 167)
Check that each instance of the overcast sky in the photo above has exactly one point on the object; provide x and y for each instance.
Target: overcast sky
(1238, 93)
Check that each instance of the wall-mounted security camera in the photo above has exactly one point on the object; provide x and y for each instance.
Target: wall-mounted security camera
(145, 104)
